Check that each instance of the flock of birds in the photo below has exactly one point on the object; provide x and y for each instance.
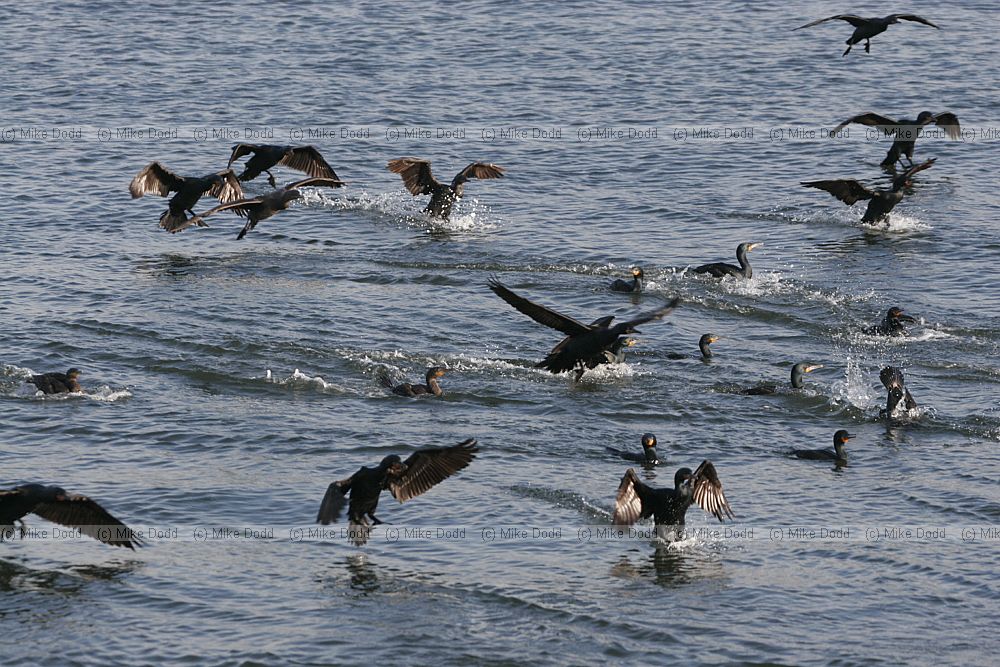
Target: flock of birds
(584, 347)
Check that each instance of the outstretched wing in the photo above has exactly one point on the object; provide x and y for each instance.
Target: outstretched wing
(229, 190)
(90, 518)
(416, 174)
(478, 170)
(918, 167)
(154, 179)
(914, 17)
(239, 150)
(707, 491)
(334, 501)
(629, 500)
(316, 182)
(309, 160)
(949, 122)
(430, 466)
(847, 190)
(657, 314)
(540, 314)
(856, 21)
(887, 125)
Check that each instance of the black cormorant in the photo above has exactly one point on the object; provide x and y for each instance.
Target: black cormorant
(798, 370)
(892, 325)
(881, 202)
(635, 285)
(839, 454)
(613, 355)
(704, 344)
(892, 379)
(157, 179)
(404, 479)
(648, 454)
(57, 383)
(583, 342)
(54, 504)
(407, 389)
(865, 29)
(301, 158)
(636, 500)
(262, 207)
(905, 131)
(721, 269)
(418, 180)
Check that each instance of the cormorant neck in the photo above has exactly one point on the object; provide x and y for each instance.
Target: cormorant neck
(432, 383)
(636, 284)
(796, 378)
(651, 456)
(706, 351)
(744, 264)
(839, 448)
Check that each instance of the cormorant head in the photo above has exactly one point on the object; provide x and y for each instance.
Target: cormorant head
(707, 339)
(435, 372)
(629, 342)
(42, 493)
(841, 436)
(896, 313)
(648, 441)
(799, 369)
(73, 373)
(682, 476)
(637, 272)
(746, 247)
(393, 464)
(924, 117)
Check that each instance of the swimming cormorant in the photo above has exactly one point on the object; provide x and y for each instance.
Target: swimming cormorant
(57, 383)
(648, 454)
(881, 202)
(157, 179)
(892, 379)
(721, 269)
(635, 285)
(866, 28)
(892, 325)
(905, 131)
(407, 389)
(262, 207)
(704, 344)
(636, 500)
(301, 158)
(54, 504)
(583, 342)
(839, 454)
(404, 479)
(418, 180)
(798, 370)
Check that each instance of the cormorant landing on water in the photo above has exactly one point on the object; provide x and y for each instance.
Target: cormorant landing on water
(839, 454)
(891, 325)
(54, 504)
(881, 202)
(418, 180)
(57, 383)
(406, 389)
(648, 454)
(721, 269)
(905, 131)
(625, 286)
(584, 342)
(407, 479)
(157, 179)
(262, 207)
(865, 29)
(306, 159)
(636, 500)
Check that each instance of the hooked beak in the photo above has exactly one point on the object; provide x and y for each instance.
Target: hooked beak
(849, 436)
(753, 245)
(810, 369)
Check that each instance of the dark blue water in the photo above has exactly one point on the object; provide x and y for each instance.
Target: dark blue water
(229, 382)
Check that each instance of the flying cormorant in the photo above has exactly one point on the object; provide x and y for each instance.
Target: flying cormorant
(905, 131)
(157, 179)
(301, 158)
(881, 202)
(418, 180)
(866, 28)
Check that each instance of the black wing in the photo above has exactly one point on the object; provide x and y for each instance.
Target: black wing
(539, 313)
(477, 170)
(309, 160)
(154, 179)
(229, 190)
(629, 500)
(888, 125)
(949, 122)
(416, 174)
(316, 182)
(708, 491)
(847, 190)
(657, 314)
(241, 207)
(913, 17)
(856, 21)
(334, 501)
(90, 518)
(239, 150)
(430, 466)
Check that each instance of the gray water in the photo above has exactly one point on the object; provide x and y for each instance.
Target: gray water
(229, 382)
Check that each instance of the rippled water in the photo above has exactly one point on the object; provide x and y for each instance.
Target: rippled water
(229, 382)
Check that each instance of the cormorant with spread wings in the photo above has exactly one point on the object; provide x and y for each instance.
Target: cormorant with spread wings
(418, 180)
(306, 159)
(866, 28)
(881, 202)
(905, 131)
(157, 179)
(637, 500)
